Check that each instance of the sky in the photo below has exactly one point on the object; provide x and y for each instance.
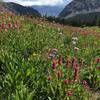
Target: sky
(40, 2)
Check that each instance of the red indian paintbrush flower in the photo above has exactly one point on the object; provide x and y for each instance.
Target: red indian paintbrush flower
(60, 60)
(67, 62)
(3, 26)
(59, 75)
(73, 62)
(98, 60)
(15, 25)
(49, 77)
(66, 81)
(10, 25)
(76, 76)
(69, 93)
(54, 63)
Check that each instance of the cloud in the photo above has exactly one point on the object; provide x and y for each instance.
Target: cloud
(39, 2)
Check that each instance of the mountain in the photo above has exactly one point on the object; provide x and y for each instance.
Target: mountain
(19, 9)
(49, 10)
(86, 11)
(3, 8)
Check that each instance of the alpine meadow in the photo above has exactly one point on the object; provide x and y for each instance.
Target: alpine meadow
(47, 57)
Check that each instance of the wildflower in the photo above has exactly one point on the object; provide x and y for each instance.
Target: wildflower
(54, 63)
(52, 53)
(76, 73)
(60, 33)
(75, 38)
(73, 62)
(76, 48)
(98, 60)
(60, 60)
(49, 77)
(69, 93)
(76, 66)
(67, 62)
(85, 84)
(3, 26)
(59, 75)
(76, 76)
(74, 42)
(15, 25)
(59, 29)
(9, 25)
(66, 81)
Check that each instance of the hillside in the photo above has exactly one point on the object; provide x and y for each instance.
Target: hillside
(19, 9)
(80, 9)
(48, 61)
(2, 8)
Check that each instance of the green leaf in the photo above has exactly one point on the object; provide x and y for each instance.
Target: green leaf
(28, 72)
(49, 98)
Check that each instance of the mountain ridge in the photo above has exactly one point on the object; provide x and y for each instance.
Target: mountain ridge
(18, 9)
(82, 12)
(77, 6)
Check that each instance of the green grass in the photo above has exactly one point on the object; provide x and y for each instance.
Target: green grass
(24, 65)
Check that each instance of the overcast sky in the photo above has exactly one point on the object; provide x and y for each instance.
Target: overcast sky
(40, 2)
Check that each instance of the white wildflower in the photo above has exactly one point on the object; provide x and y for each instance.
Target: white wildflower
(60, 33)
(59, 29)
(76, 48)
(75, 38)
(74, 42)
(52, 53)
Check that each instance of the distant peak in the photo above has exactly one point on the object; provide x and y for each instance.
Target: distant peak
(81, 6)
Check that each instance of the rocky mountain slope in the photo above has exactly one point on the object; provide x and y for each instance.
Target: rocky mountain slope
(18, 9)
(3, 8)
(83, 10)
